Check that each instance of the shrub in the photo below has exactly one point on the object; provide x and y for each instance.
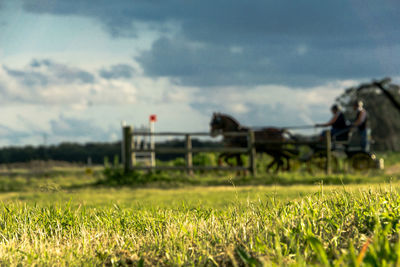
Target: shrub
(205, 159)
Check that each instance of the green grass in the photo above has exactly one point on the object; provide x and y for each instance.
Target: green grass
(224, 225)
(76, 217)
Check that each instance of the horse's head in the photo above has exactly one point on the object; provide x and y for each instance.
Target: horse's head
(223, 123)
(216, 124)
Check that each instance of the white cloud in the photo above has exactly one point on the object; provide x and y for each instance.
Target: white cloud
(239, 108)
(58, 84)
(272, 105)
(177, 94)
(62, 109)
(273, 94)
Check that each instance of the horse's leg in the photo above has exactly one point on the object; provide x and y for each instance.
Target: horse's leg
(239, 162)
(227, 157)
(224, 157)
(269, 166)
(221, 157)
(287, 163)
(245, 171)
(285, 155)
(279, 160)
(279, 165)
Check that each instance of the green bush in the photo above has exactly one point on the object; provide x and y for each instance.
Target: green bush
(178, 162)
(205, 159)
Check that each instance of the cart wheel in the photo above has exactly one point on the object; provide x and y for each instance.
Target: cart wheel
(362, 162)
(318, 160)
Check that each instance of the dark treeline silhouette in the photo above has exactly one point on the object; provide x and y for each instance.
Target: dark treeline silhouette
(79, 153)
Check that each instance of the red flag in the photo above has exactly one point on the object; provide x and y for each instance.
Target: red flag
(153, 117)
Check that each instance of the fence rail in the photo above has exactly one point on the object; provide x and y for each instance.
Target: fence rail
(192, 133)
(182, 168)
(176, 150)
(128, 150)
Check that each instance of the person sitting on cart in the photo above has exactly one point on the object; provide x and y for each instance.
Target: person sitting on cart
(361, 122)
(340, 127)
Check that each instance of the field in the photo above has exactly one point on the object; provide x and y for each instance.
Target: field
(67, 217)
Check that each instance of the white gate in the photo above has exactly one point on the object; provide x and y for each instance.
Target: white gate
(143, 140)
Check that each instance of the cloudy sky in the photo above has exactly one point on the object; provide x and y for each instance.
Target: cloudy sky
(73, 70)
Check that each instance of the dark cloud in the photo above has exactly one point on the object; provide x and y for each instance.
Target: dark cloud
(35, 63)
(66, 73)
(211, 65)
(234, 20)
(28, 78)
(117, 72)
(43, 72)
(231, 42)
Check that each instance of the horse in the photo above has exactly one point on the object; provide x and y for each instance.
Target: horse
(223, 123)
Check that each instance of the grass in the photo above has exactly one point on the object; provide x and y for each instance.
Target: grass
(224, 225)
(294, 219)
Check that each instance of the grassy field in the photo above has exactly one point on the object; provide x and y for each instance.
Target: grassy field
(78, 217)
(51, 221)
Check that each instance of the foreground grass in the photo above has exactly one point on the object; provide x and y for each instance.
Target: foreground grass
(77, 217)
(302, 225)
(80, 180)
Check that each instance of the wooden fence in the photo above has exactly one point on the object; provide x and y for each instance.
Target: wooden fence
(129, 163)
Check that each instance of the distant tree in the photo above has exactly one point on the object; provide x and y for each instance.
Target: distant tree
(79, 153)
(381, 100)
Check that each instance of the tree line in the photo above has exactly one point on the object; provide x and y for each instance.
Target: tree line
(81, 153)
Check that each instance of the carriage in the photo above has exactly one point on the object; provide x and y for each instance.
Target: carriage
(344, 145)
(316, 158)
(286, 148)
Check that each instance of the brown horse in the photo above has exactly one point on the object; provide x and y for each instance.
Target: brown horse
(264, 138)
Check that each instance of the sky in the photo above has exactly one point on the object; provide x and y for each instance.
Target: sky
(73, 71)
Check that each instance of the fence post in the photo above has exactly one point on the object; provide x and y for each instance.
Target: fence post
(133, 146)
(152, 146)
(328, 153)
(189, 155)
(252, 152)
(127, 145)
